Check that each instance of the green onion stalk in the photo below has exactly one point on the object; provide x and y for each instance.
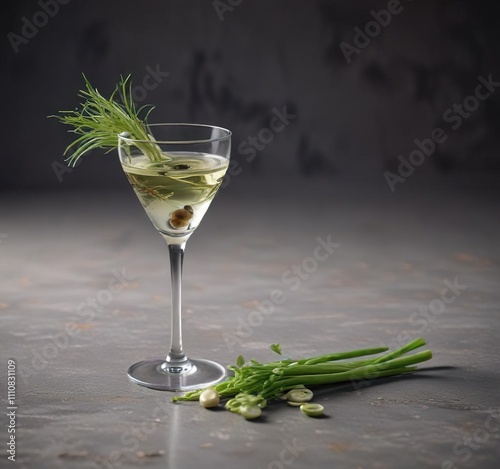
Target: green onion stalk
(271, 380)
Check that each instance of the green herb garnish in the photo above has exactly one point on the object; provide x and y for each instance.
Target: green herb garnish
(276, 348)
(101, 120)
(255, 383)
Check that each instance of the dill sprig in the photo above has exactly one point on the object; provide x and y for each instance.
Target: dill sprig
(101, 120)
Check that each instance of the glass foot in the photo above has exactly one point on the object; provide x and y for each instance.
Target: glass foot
(158, 374)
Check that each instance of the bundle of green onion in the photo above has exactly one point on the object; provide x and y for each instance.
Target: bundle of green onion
(255, 383)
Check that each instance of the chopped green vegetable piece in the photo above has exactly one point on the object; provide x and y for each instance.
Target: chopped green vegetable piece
(276, 348)
(250, 412)
(312, 410)
(233, 405)
(299, 395)
(243, 399)
(240, 361)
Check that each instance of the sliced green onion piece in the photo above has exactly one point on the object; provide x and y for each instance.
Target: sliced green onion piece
(300, 395)
(252, 400)
(250, 411)
(294, 404)
(233, 405)
(312, 410)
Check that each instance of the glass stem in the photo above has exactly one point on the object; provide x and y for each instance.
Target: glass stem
(176, 358)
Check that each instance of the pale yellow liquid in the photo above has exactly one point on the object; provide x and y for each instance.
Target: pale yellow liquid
(176, 194)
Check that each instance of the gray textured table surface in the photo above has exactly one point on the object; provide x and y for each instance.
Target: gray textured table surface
(383, 284)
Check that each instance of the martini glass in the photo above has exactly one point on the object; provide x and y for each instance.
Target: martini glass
(176, 175)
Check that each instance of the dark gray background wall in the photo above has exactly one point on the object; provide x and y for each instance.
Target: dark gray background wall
(353, 119)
